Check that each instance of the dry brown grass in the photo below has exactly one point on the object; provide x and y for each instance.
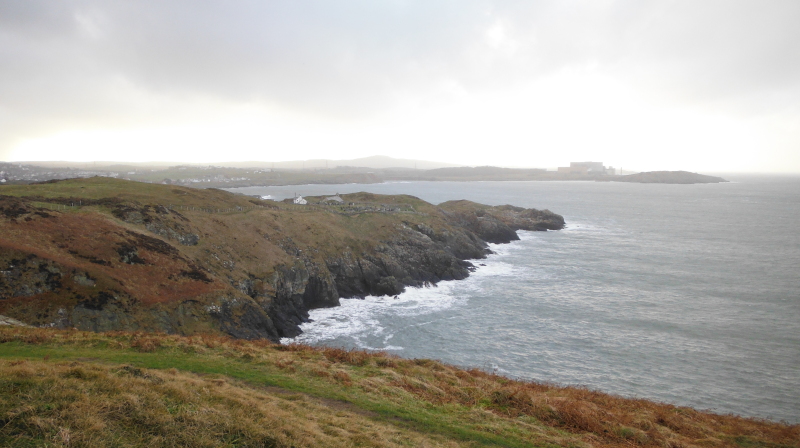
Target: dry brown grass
(602, 419)
(78, 404)
(90, 397)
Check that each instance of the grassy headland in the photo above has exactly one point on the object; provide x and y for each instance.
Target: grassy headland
(105, 254)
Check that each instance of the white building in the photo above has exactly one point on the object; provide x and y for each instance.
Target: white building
(299, 200)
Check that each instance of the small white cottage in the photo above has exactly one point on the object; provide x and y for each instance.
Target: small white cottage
(299, 200)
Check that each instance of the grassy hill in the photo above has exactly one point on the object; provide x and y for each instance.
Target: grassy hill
(71, 388)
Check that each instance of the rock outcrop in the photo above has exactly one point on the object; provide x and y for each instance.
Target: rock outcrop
(499, 224)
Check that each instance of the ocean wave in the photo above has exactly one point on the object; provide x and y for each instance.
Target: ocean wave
(358, 321)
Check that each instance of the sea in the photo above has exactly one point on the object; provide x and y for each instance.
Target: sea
(684, 294)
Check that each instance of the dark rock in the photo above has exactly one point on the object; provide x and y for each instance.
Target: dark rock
(244, 319)
(196, 274)
(173, 232)
(28, 276)
(98, 301)
(12, 208)
(129, 254)
(162, 223)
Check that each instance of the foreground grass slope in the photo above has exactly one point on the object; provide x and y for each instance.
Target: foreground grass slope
(73, 388)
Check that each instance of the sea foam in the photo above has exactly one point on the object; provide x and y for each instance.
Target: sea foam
(359, 320)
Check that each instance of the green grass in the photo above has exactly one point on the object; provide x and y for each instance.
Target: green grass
(410, 414)
(96, 188)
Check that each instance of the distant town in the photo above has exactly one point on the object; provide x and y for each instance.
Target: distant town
(587, 168)
(213, 176)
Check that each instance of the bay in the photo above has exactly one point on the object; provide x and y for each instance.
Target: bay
(687, 294)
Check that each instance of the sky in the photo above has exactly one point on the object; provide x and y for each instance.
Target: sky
(710, 86)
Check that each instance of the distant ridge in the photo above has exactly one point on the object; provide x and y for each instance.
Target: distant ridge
(668, 177)
(374, 162)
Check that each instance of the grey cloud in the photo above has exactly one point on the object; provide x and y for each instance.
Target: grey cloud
(61, 61)
(723, 48)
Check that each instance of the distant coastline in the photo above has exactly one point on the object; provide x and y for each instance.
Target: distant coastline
(235, 177)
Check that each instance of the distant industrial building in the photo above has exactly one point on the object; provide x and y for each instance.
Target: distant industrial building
(586, 168)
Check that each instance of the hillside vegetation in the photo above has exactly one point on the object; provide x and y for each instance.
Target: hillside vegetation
(66, 388)
(105, 254)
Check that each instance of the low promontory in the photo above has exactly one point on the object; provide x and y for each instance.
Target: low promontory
(104, 254)
(668, 177)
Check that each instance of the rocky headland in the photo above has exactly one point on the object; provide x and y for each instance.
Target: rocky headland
(103, 254)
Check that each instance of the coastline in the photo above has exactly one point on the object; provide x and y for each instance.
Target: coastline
(355, 320)
(179, 260)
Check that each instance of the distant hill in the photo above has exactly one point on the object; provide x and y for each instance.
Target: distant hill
(668, 177)
(374, 162)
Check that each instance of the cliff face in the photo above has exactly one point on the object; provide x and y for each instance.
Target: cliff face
(176, 260)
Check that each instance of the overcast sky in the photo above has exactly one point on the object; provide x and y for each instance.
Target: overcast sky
(696, 85)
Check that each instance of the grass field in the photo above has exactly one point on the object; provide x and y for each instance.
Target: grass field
(72, 388)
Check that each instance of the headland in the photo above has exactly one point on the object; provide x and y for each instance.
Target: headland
(104, 254)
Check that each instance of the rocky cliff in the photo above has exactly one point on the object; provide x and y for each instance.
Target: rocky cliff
(103, 254)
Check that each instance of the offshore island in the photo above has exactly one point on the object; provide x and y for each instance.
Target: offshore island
(139, 314)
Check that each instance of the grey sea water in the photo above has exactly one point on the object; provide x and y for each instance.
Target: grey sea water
(688, 294)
